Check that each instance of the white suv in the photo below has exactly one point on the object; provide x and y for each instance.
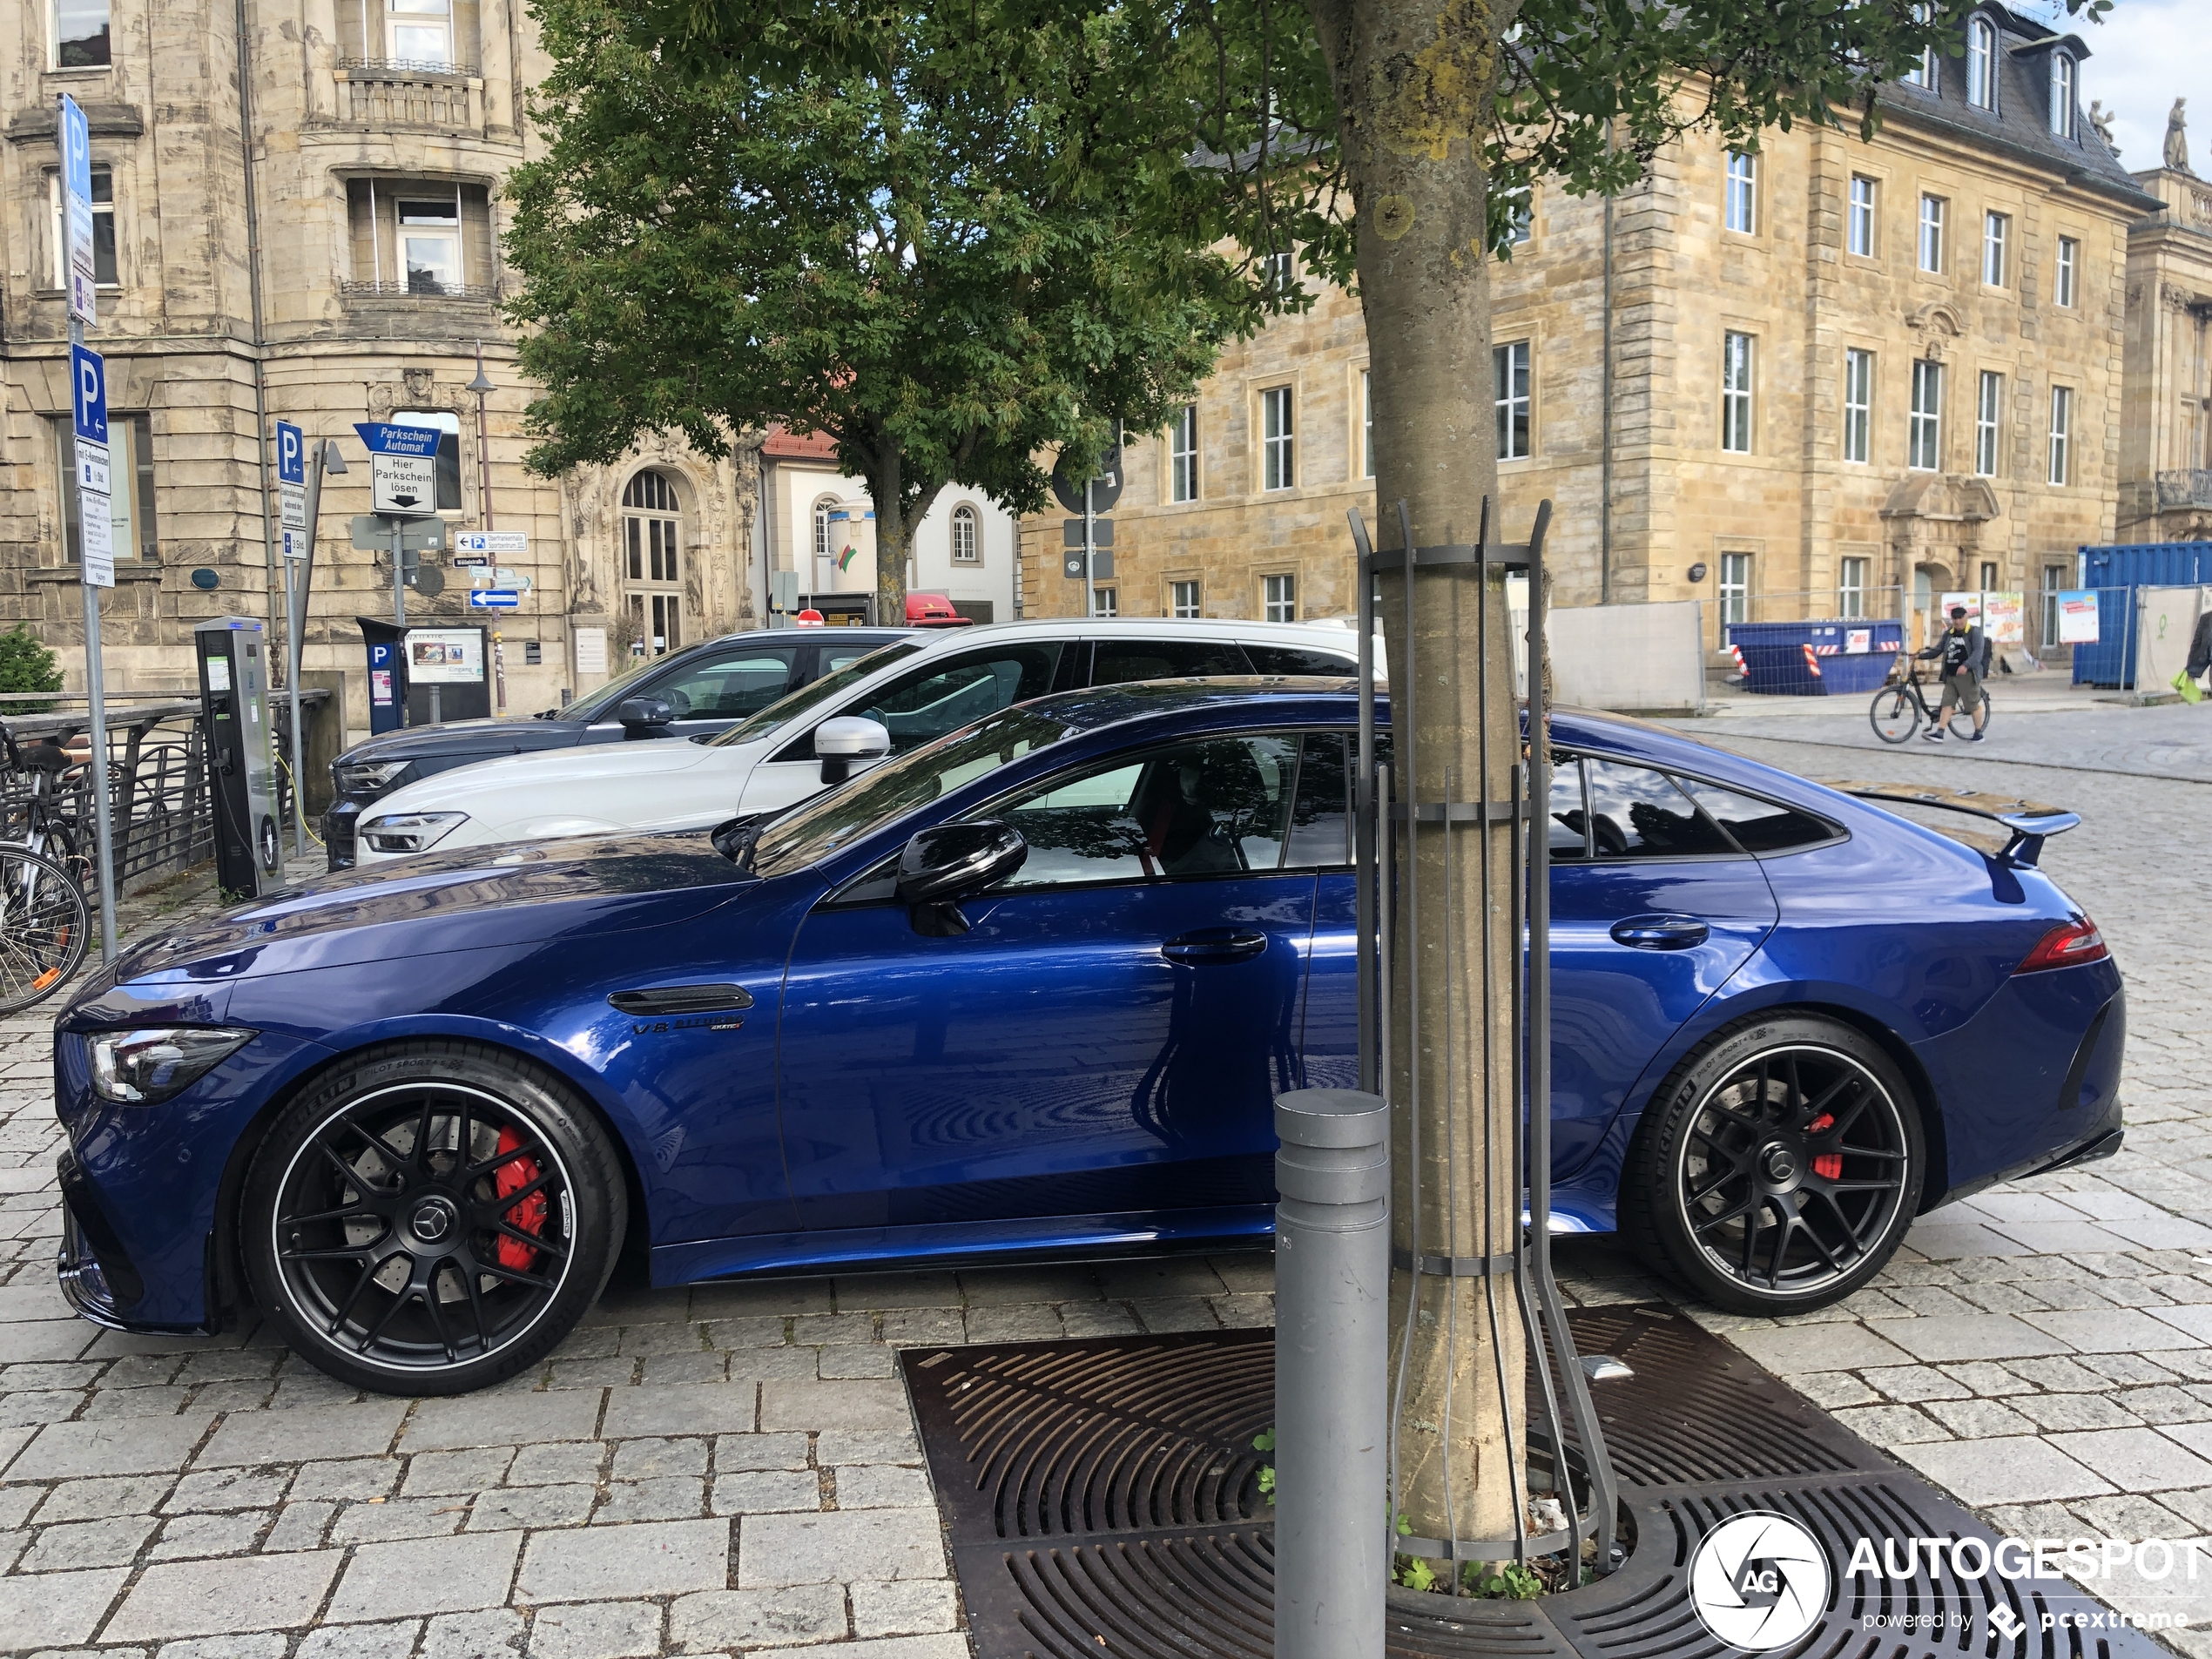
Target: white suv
(894, 699)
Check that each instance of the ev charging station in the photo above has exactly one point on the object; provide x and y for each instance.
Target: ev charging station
(241, 776)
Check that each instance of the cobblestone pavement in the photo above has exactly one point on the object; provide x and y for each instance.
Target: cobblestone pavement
(732, 1470)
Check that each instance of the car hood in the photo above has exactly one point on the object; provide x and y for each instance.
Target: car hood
(466, 737)
(471, 898)
(585, 766)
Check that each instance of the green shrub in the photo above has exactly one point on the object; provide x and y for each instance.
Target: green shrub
(26, 666)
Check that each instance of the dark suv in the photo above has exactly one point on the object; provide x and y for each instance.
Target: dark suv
(707, 688)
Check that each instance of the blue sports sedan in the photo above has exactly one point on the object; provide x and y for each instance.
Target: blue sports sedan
(1030, 989)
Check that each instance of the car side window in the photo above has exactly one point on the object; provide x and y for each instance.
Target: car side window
(1638, 814)
(1297, 659)
(1759, 825)
(1121, 661)
(1570, 818)
(1215, 806)
(926, 702)
(1320, 822)
(830, 658)
(729, 688)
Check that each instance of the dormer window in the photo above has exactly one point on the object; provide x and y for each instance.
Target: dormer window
(1923, 73)
(2062, 91)
(1981, 64)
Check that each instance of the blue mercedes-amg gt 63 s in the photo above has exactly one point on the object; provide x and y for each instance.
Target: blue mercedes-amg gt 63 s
(1028, 991)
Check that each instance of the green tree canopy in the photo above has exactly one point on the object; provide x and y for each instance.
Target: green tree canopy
(914, 230)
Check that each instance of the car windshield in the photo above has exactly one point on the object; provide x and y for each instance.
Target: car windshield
(811, 832)
(602, 700)
(778, 715)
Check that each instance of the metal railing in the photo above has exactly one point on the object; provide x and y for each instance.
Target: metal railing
(480, 293)
(406, 69)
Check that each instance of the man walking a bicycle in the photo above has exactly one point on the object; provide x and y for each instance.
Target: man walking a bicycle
(1963, 650)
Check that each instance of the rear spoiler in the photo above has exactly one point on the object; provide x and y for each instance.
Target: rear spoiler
(2031, 824)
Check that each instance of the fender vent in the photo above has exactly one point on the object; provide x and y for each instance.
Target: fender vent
(682, 999)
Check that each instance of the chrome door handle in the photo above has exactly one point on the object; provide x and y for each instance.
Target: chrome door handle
(1209, 945)
(1660, 933)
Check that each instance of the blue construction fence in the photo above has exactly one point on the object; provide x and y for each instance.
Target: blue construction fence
(2112, 575)
(1829, 657)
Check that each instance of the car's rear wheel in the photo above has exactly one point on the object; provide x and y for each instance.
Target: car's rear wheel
(431, 1217)
(1778, 1170)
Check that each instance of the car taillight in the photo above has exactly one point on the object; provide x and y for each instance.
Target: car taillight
(2068, 943)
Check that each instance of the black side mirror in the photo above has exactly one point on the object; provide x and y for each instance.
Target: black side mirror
(955, 861)
(643, 717)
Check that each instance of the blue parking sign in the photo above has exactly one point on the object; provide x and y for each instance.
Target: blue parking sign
(76, 208)
(291, 454)
(88, 373)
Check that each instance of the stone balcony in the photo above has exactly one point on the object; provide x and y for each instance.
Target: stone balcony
(2192, 487)
(388, 93)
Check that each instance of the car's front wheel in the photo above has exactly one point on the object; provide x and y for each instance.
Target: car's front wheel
(431, 1217)
(1778, 1168)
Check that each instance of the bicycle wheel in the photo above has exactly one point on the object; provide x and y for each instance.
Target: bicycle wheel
(1896, 714)
(1962, 723)
(45, 928)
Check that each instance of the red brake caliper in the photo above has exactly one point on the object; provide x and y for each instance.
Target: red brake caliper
(1829, 1166)
(528, 1215)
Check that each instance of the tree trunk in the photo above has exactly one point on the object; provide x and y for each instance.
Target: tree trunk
(1413, 82)
(895, 535)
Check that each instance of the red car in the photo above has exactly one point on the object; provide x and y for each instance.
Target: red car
(935, 611)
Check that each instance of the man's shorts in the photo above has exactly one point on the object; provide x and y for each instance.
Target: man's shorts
(1961, 691)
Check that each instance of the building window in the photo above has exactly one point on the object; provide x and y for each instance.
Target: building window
(1183, 455)
(1278, 273)
(1850, 587)
(430, 245)
(103, 265)
(1988, 402)
(1105, 602)
(1736, 393)
(654, 579)
(1742, 191)
(1366, 423)
(80, 34)
(1509, 375)
(1858, 405)
(1736, 587)
(823, 551)
(1924, 72)
(130, 470)
(1279, 595)
(2056, 579)
(425, 237)
(967, 539)
(1182, 600)
(1996, 234)
(2062, 94)
(2061, 431)
(1520, 216)
(1861, 228)
(419, 32)
(1988, 577)
(1981, 64)
(2069, 257)
(1924, 440)
(447, 425)
(1932, 209)
(1278, 467)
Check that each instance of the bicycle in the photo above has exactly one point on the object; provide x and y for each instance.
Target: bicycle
(45, 926)
(1901, 706)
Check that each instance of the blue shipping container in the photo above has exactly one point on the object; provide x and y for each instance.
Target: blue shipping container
(1775, 663)
(2116, 572)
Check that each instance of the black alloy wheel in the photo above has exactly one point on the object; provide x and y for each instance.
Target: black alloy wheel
(432, 1218)
(1779, 1167)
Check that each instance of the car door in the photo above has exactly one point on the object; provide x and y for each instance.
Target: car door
(930, 699)
(1653, 908)
(715, 689)
(1105, 1041)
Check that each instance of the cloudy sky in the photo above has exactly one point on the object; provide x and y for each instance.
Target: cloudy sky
(2144, 55)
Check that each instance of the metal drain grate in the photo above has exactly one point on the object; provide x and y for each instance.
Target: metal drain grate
(1103, 1502)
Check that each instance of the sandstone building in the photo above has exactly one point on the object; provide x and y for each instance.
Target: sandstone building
(1826, 377)
(2166, 438)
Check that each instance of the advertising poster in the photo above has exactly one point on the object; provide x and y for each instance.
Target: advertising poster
(2078, 617)
(444, 656)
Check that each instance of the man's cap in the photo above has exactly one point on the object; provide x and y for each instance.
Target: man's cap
(1958, 611)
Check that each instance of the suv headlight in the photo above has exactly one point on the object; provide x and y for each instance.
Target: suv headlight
(409, 832)
(145, 1068)
(365, 776)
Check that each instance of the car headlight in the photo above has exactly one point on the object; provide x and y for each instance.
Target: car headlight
(409, 832)
(365, 776)
(145, 1068)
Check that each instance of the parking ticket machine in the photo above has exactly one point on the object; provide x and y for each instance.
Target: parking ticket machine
(241, 773)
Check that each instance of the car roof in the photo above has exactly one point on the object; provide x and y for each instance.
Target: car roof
(1316, 634)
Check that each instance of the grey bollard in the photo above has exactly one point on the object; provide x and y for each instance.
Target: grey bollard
(1332, 1339)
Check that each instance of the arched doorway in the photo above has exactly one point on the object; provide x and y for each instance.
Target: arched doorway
(653, 575)
(1928, 581)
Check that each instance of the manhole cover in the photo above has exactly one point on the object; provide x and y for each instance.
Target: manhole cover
(1102, 1498)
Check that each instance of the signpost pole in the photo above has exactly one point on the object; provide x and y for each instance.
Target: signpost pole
(291, 687)
(96, 552)
(1091, 550)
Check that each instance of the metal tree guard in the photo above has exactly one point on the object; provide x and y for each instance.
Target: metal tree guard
(1387, 796)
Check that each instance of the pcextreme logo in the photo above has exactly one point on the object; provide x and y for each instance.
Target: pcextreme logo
(1758, 1582)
